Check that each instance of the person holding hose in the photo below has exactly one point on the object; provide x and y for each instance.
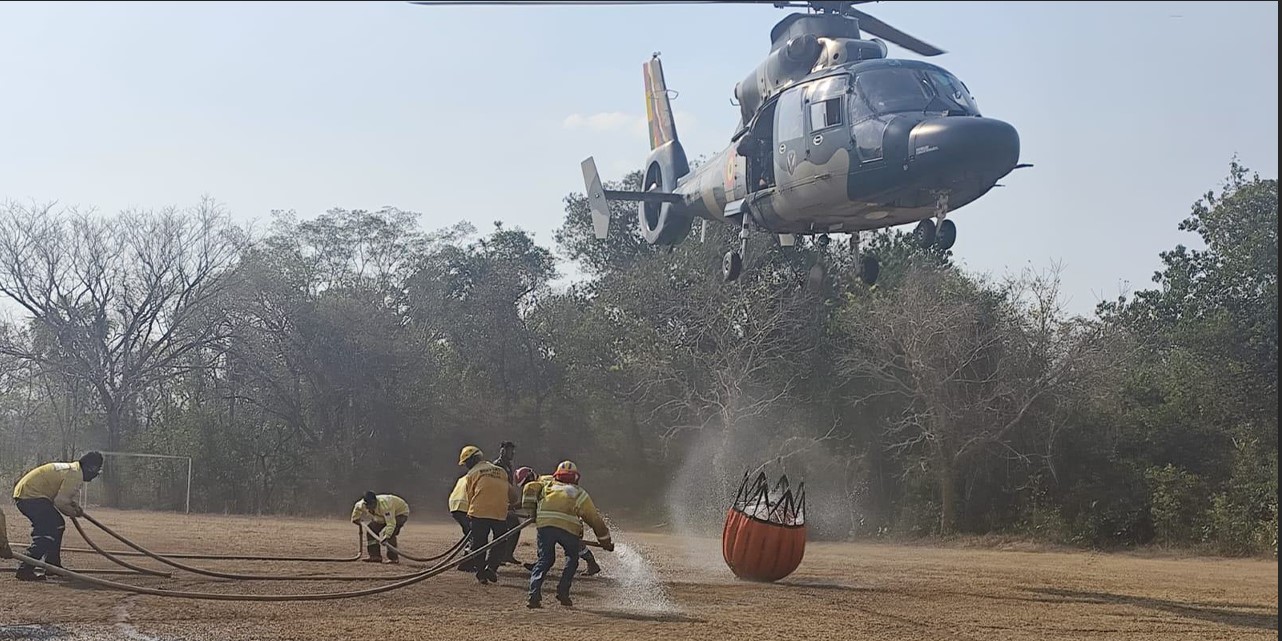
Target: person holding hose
(531, 484)
(560, 509)
(489, 494)
(388, 513)
(44, 495)
(458, 510)
(507, 452)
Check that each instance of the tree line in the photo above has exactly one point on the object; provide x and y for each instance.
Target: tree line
(303, 365)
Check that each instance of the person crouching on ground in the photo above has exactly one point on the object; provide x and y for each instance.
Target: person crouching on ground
(43, 495)
(489, 494)
(561, 508)
(388, 514)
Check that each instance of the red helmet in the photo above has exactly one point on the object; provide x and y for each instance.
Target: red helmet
(567, 472)
(524, 475)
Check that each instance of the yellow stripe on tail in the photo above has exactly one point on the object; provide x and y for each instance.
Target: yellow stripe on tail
(658, 109)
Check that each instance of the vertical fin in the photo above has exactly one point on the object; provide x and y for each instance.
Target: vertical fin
(658, 109)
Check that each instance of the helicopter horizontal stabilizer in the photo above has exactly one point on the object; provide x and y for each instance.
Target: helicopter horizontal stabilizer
(644, 196)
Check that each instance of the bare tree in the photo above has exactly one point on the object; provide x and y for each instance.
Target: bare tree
(970, 365)
(124, 300)
(722, 357)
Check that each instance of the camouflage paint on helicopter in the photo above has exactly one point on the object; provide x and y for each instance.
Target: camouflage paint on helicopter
(833, 137)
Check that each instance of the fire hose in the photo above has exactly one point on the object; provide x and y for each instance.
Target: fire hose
(111, 557)
(227, 575)
(394, 550)
(235, 557)
(389, 546)
(324, 596)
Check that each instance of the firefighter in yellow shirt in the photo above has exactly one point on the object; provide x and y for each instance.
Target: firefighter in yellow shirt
(560, 509)
(489, 494)
(531, 485)
(388, 511)
(458, 510)
(43, 495)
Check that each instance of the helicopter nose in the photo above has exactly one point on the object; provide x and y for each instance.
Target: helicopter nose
(964, 148)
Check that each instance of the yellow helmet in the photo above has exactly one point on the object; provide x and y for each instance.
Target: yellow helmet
(468, 452)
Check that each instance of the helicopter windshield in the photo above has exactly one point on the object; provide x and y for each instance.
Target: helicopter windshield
(899, 89)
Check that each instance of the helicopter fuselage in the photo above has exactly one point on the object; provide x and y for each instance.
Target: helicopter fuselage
(861, 146)
(833, 137)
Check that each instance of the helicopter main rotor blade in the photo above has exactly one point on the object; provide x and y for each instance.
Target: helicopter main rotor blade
(867, 22)
(580, 2)
(886, 32)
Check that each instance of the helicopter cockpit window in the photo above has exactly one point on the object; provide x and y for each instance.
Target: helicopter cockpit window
(950, 88)
(893, 90)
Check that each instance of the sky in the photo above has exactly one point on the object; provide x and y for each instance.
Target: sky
(1129, 111)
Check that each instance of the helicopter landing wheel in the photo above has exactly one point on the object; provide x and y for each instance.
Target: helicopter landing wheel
(823, 240)
(870, 270)
(947, 235)
(925, 233)
(731, 266)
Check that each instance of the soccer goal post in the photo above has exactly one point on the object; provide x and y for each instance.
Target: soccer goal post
(84, 489)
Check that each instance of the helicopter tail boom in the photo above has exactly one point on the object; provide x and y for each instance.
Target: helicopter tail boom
(658, 108)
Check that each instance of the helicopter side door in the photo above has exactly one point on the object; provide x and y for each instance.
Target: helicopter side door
(790, 133)
(811, 129)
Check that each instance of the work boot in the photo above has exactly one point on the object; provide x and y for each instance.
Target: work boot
(564, 599)
(28, 574)
(593, 568)
(534, 603)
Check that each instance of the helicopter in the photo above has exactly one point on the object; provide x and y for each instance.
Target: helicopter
(833, 136)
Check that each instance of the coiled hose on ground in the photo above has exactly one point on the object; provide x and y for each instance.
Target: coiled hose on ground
(325, 596)
(229, 575)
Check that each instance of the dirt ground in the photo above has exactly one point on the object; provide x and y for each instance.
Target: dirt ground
(841, 591)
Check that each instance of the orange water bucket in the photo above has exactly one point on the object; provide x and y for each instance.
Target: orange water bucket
(764, 538)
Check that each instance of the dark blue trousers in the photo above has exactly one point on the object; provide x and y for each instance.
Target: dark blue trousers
(549, 537)
(47, 526)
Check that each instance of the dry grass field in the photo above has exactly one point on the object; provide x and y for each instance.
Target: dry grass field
(667, 588)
